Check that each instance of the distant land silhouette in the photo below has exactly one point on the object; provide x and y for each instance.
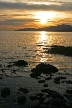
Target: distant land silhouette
(58, 28)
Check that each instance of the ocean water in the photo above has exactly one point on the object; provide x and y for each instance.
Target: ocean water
(31, 46)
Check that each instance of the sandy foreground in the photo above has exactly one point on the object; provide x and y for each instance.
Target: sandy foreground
(34, 87)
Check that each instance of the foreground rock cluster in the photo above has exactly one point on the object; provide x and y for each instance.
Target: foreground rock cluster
(43, 68)
(46, 98)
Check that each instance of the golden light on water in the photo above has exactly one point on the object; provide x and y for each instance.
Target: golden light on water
(43, 37)
(43, 41)
(43, 58)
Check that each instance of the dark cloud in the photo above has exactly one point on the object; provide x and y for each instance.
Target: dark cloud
(16, 21)
(12, 15)
(62, 7)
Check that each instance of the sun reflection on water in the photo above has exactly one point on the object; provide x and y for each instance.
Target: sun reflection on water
(43, 41)
(43, 58)
(43, 37)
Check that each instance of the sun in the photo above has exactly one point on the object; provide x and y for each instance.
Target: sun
(43, 20)
(44, 17)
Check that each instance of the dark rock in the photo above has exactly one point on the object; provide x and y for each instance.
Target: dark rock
(21, 99)
(43, 68)
(24, 90)
(3, 70)
(56, 82)
(38, 78)
(47, 96)
(68, 96)
(9, 65)
(41, 99)
(45, 90)
(32, 98)
(41, 81)
(14, 100)
(69, 82)
(57, 79)
(69, 104)
(69, 91)
(61, 77)
(34, 106)
(54, 94)
(62, 50)
(1, 77)
(45, 85)
(35, 75)
(40, 94)
(38, 97)
(5, 92)
(18, 92)
(57, 103)
(20, 63)
(13, 72)
(62, 81)
(48, 78)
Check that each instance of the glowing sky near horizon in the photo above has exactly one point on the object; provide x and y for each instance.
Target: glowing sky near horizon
(17, 14)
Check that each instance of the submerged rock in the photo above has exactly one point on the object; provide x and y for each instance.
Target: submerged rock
(9, 66)
(1, 77)
(21, 99)
(24, 90)
(57, 103)
(69, 91)
(54, 94)
(57, 79)
(45, 85)
(20, 63)
(40, 94)
(43, 68)
(32, 98)
(48, 78)
(68, 96)
(69, 82)
(45, 90)
(5, 92)
(41, 81)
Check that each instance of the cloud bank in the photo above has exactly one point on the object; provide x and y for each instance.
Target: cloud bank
(26, 6)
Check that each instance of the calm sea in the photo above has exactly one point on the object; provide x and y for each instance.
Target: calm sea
(30, 46)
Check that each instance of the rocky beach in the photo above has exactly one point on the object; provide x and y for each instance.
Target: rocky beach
(27, 81)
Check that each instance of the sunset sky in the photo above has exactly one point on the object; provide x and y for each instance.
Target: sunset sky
(17, 14)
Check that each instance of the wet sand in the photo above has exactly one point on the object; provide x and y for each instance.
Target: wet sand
(34, 87)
